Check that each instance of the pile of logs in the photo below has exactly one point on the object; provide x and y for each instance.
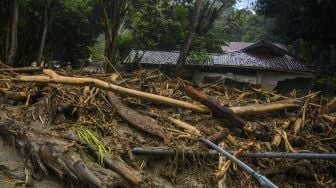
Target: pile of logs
(147, 109)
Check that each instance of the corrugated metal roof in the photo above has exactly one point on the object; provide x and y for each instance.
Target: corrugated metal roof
(237, 46)
(239, 59)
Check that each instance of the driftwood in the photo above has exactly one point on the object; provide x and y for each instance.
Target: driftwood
(242, 111)
(119, 166)
(330, 107)
(17, 96)
(22, 69)
(136, 119)
(53, 77)
(217, 109)
(259, 109)
(330, 119)
(223, 169)
(188, 128)
(219, 135)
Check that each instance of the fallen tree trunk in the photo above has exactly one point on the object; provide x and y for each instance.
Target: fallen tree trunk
(259, 109)
(136, 119)
(217, 109)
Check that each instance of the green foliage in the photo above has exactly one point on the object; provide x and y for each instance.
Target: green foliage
(74, 27)
(199, 57)
(97, 50)
(90, 138)
(156, 24)
(308, 26)
(245, 26)
(326, 84)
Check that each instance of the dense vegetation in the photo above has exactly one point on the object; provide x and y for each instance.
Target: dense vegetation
(68, 30)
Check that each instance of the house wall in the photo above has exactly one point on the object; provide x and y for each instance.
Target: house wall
(268, 80)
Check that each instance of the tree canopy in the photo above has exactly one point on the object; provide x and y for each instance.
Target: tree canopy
(68, 30)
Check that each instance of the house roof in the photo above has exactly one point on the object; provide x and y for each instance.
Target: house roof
(237, 46)
(262, 55)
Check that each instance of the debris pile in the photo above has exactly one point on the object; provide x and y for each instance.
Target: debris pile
(144, 128)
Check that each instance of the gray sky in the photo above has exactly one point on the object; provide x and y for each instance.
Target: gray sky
(244, 4)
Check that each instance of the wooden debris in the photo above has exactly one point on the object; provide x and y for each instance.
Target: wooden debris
(53, 77)
(259, 109)
(217, 109)
(122, 168)
(62, 106)
(136, 119)
(329, 107)
(297, 125)
(223, 169)
(18, 96)
(330, 119)
(189, 128)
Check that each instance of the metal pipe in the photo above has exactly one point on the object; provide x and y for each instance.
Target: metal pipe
(190, 151)
(262, 180)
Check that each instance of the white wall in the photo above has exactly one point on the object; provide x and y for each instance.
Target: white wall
(268, 80)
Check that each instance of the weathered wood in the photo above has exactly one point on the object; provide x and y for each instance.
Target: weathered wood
(219, 135)
(189, 128)
(260, 109)
(17, 96)
(329, 107)
(330, 119)
(217, 109)
(119, 166)
(55, 78)
(136, 119)
(241, 111)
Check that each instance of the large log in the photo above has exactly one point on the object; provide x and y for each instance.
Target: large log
(136, 119)
(259, 109)
(217, 109)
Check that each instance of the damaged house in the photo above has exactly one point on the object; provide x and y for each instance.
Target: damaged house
(262, 64)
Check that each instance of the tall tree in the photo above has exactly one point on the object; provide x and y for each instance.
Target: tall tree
(203, 16)
(190, 37)
(47, 18)
(113, 16)
(9, 20)
(307, 26)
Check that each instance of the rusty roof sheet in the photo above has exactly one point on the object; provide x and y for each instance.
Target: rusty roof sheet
(239, 59)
